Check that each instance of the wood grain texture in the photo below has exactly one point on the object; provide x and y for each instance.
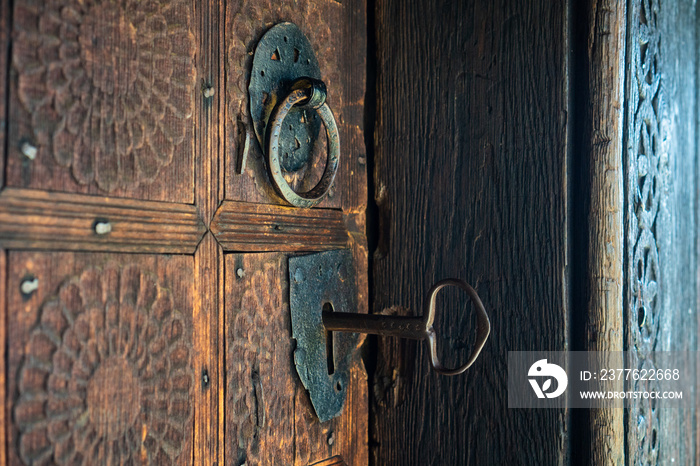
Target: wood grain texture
(244, 227)
(88, 321)
(104, 93)
(31, 219)
(470, 182)
(600, 198)
(4, 406)
(337, 33)
(208, 440)
(661, 229)
(209, 129)
(269, 417)
(208, 353)
(4, 55)
(334, 461)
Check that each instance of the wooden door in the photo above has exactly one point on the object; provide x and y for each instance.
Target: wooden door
(551, 150)
(145, 313)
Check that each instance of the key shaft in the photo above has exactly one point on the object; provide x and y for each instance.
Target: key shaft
(413, 328)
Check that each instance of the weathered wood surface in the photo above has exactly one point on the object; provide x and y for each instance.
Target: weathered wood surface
(4, 412)
(334, 461)
(101, 99)
(470, 182)
(4, 56)
(209, 130)
(244, 227)
(209, 311)
(597, 175)
(269, 417)
(112, 110)
(91, 320)
(337, 33)
(32, 219)
(662, 217)
(207, 317)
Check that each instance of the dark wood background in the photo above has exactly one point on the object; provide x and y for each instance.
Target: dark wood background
(470, 181)
(516, 146)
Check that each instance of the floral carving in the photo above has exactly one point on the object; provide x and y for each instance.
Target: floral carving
(108, 85)
(644, 180)
(106, 377)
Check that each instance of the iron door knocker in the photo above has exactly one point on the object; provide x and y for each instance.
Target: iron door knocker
(286, 87)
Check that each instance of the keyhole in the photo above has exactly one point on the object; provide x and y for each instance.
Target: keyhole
(330, 363)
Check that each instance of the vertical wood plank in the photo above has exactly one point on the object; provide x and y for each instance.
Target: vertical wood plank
(470, 182)
(4, 71)
(677, 227)
(209, 434)
(597, 238)
(4, 401)
(337, 33)
(104, 95)
(209, 145)
(208, 393)
(353, 43)
(662, 216)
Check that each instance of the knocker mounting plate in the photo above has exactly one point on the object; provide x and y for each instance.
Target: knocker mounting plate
(319, 282)
(282, 56)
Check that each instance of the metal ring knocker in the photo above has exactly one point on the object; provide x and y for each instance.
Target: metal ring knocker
(311, 93)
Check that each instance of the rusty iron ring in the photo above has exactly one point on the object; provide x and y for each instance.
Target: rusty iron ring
(482, 330)
(308, 94)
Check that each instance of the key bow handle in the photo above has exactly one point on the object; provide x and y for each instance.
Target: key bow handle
(482, 330)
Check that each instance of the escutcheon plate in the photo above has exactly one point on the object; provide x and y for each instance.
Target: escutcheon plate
(314, 280)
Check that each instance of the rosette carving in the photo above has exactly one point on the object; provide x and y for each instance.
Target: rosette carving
(106, 375)
(109, 85)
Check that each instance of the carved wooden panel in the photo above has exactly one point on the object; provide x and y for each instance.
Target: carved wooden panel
(122, 358)
(661, 206)
(102, 98)
(269, 417)
(644, 189)
(100, 350)
(336, 31)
